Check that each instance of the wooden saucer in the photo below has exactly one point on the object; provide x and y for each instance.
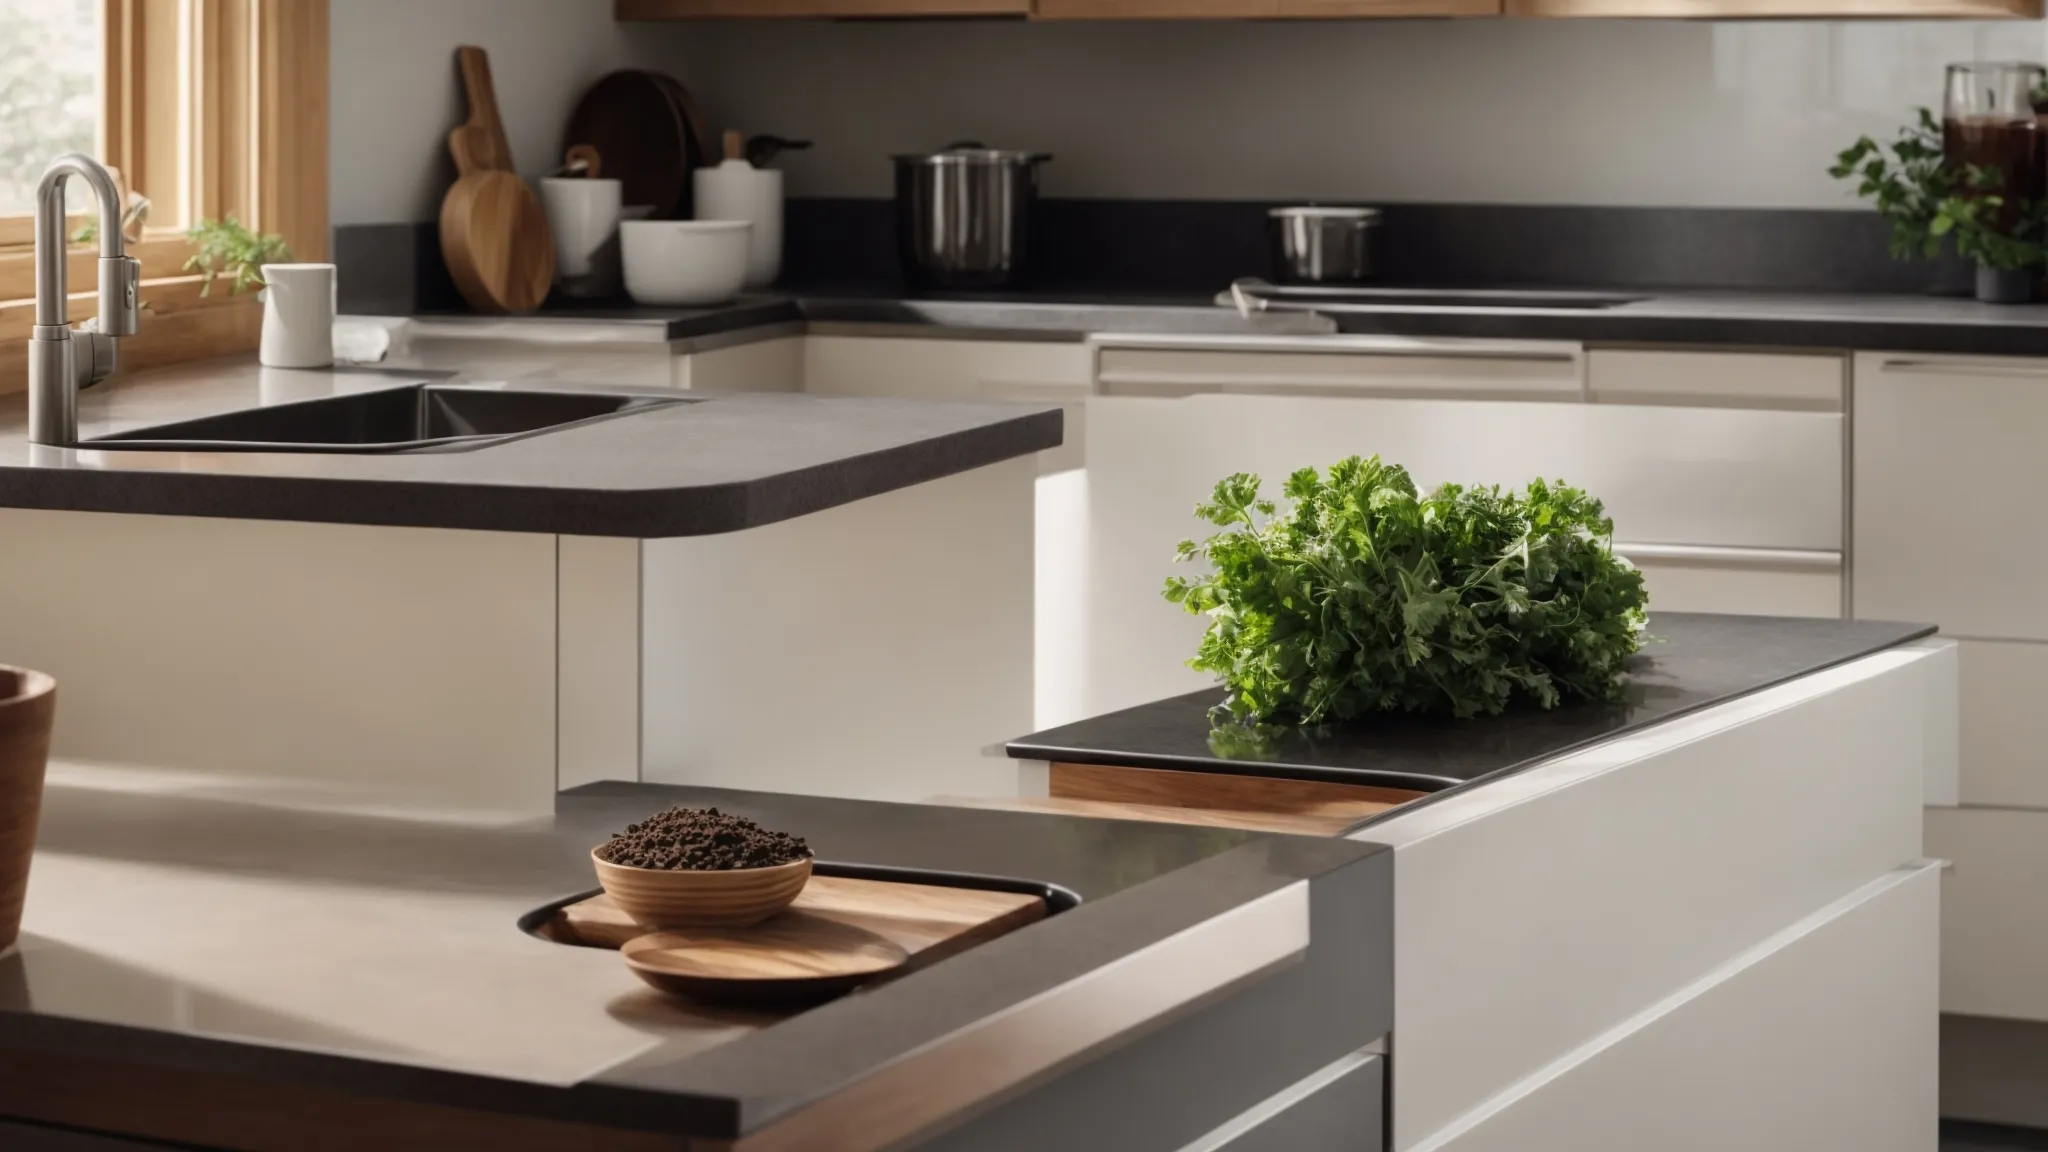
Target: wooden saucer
(793, 956)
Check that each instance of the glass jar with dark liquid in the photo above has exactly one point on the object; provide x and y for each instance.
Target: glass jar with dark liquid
(1988, 118)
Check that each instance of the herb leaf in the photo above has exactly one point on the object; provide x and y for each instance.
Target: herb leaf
(1364, 595)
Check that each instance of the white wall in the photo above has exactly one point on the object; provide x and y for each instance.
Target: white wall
(395, 93)
(1598, 112)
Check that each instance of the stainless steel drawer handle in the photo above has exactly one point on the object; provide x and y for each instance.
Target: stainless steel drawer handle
(1775, 559)
(1963, 368)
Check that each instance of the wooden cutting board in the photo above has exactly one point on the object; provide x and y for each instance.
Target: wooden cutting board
(928, 921)
(494, 233)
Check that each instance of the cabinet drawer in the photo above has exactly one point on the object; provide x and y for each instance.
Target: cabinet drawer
(1741, 581)
(1027, 372)
(1994, 919)
(2004, 727)
(1823, 1036)
(1339, 1109)
(1716, 379)
(1949, 471)
(1337, 366)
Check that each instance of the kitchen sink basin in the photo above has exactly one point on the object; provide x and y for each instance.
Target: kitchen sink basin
(414, 418)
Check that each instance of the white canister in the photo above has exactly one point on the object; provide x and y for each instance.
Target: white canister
(298, 316)
(584, 216)
(736, 190)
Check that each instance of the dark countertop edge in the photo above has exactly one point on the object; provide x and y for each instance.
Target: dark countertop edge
(641, 513)
(1931, 337)
(1437, 786)
(642, 1094)
(1622, 325)
(1921, 632)
(1419, 781)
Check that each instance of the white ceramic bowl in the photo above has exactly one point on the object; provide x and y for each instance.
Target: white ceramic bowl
(684, 262)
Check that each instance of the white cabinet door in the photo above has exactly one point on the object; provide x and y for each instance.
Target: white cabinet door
(2004, 726)
(756, 366)
(1949, 471)
(1825, 1036)
(1994, 920)
(1721, 478)
(1037, 372)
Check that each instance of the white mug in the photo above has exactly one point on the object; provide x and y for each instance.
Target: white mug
(736, 190)
(298, 316)
(584, 216)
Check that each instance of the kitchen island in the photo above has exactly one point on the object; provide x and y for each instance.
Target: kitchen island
(1696, 919)
(638, 597)
(267, 976)
(1706, 924)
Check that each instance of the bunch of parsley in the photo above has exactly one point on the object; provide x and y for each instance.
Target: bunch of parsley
(1367, 596)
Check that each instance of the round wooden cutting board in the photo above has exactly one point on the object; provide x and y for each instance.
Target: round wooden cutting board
(790, 957)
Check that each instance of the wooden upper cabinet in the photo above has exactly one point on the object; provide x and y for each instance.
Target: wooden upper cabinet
(1316, 9)
(1156, 9)
(1258, 9)
(811, 9)
(1819, 9)
(1335, 9)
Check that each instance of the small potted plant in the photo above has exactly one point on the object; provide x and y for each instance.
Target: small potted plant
(227, 248)
(1931, 202)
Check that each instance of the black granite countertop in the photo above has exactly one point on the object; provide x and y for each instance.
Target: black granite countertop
(1855, 322)
(718, 464)
(1695, 662)
(138, 888)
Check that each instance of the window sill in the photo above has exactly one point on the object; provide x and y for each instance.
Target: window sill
(179, 325)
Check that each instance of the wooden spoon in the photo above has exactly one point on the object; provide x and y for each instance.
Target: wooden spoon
(494, 233)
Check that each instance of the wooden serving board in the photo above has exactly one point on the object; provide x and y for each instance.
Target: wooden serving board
(1210, 799)
(929, 921)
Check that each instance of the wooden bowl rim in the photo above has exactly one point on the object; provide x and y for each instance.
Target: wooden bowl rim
(801, 862)
(31, 682)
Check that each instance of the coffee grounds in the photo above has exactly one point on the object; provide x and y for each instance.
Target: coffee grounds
(702, 840)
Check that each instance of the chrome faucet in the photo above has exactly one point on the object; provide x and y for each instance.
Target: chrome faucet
(62, 360)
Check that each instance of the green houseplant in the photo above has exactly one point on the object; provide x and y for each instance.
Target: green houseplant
(221, 248)
(226, 248)
(1366, 595)
(1931, 203)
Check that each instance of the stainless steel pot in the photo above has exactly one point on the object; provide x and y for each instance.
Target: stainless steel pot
(1314, 245)
(963, 216)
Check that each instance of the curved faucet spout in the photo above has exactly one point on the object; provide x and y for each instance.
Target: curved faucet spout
(50, 239)
(61, 361)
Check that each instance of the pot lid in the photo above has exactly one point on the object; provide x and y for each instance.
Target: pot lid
(1325, 212)
(971, 153)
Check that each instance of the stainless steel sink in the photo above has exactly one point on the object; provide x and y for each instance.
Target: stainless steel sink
(414, 418)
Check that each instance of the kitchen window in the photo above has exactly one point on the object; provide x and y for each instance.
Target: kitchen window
(204, 107)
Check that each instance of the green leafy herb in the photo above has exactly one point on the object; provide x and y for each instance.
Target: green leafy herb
(1930, 202)
(221, 248)
(225, 248)
(1367, 596)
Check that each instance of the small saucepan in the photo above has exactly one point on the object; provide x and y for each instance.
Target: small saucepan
(1323, 245)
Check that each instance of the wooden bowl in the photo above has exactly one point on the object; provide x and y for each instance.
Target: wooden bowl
(728, 898)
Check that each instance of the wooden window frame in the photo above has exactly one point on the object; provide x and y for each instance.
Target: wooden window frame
(209, 107)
